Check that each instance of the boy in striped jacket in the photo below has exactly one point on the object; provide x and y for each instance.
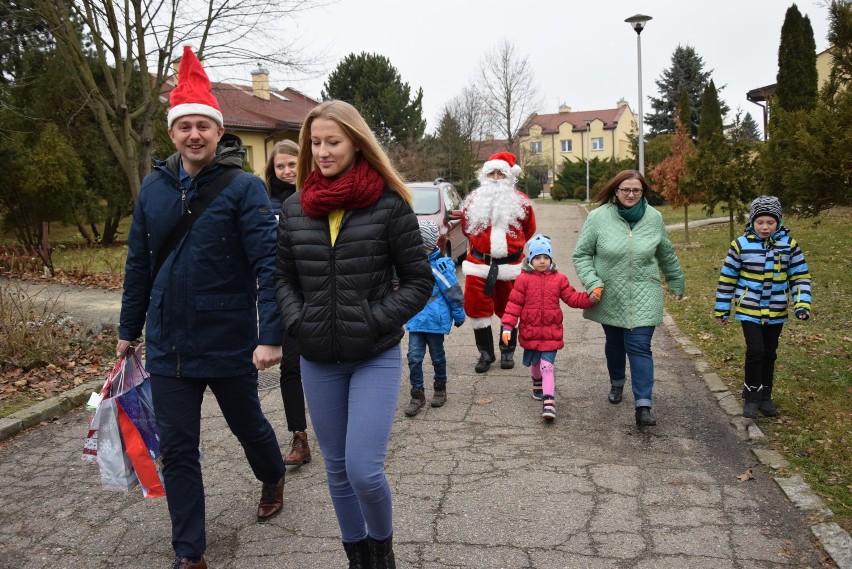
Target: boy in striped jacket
(764, 271)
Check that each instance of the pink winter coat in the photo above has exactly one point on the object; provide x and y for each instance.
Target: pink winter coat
(535, 301)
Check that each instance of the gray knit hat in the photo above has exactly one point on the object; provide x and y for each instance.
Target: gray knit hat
(429, 233)
(765, 205)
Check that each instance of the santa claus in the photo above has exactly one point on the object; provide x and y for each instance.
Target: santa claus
(497, 220)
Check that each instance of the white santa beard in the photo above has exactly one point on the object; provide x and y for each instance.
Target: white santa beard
(495, 205)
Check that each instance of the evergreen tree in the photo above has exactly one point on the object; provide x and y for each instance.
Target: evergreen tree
(685, 74)
(750, 128)
(797, 73)
(370, 83)
(723, 170)
(710, 129)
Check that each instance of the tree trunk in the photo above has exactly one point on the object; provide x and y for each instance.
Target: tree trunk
(44, 248)
(731, 220)
(686, 225)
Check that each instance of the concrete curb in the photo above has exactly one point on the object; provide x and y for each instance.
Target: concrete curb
(834, 539)
(47, 409)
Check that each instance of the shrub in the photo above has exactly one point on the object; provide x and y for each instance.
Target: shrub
(557, 193)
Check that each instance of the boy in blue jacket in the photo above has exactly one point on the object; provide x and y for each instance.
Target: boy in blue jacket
(763, 273)
(429, 326)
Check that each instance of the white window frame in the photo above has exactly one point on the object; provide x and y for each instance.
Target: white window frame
(569, 143)
(597, 144)
(535, 147)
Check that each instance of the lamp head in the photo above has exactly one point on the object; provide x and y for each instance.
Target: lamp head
(637, 22)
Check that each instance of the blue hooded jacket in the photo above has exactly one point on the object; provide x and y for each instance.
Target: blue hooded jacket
(446, 305)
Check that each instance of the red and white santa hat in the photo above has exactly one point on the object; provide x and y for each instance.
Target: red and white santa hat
(193, 94)
(505, 162)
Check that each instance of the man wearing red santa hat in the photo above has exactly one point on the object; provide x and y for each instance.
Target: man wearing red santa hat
(498, 220)
(205, 297)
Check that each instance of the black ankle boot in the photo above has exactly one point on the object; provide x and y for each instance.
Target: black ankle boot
(643, 417)
(381, 553)
(615, 394)
(485, 345)
(358, 554)
(507, 351)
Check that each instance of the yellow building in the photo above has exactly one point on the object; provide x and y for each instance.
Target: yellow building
(546, 140)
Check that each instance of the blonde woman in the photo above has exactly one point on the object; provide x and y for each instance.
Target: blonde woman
(340, 240)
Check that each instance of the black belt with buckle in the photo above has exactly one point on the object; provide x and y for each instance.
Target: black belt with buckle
(495, 262)
(489, 260)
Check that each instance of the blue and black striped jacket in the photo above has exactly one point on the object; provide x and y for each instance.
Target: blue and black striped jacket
(762, 277)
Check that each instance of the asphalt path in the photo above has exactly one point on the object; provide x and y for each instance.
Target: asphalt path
(482, 482)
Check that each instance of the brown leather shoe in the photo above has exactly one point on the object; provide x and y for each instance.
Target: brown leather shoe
(271, 500)
(300, 452)
(184, 563)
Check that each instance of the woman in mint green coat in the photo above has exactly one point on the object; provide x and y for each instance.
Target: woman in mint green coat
(622, 249)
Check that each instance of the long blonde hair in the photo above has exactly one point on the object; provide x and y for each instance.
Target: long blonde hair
(355, 127)
(286, 146)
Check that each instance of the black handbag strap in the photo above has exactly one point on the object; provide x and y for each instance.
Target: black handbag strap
(205, 197)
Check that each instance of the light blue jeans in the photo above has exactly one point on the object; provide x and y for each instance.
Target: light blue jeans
(352, 407)
(623, 344)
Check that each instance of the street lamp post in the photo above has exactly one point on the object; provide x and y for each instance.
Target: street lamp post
(637, 22)
(589, 141)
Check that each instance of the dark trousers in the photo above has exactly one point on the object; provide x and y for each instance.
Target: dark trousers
(761, 347)
(291, 386)
(177, 404)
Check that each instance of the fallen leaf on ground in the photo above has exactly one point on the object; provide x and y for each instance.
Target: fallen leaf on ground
(747, 475)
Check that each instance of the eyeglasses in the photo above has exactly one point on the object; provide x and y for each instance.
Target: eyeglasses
(630, 191)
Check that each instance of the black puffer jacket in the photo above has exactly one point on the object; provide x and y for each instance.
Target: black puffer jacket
(338, 302)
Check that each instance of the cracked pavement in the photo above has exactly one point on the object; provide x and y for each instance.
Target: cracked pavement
(481, 482)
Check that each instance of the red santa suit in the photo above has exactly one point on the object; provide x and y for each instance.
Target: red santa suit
(498, 220)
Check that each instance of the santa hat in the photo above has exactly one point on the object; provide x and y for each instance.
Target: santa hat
(193, 94)
(504, 162)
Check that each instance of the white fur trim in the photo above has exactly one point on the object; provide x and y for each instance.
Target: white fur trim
(499, 246)
(500, 165)
(185, 109)
(504, 272)
(479, 323)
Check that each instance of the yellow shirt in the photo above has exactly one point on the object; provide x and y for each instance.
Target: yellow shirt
(335, 218)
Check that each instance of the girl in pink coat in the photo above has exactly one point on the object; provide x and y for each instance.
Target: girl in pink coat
(535, 302)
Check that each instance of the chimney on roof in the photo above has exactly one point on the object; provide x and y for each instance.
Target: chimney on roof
(489, 138)
(621, 103)
(563, 108)
(260, 82)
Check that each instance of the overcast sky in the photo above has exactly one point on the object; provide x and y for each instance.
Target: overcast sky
(582, 53)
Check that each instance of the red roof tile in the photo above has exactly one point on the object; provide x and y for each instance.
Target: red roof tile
(550, 123)
(285, 109)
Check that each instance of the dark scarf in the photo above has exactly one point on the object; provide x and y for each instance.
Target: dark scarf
(356, 189)
(281, 189)
(632, 214)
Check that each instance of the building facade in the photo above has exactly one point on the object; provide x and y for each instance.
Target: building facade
(545, 141)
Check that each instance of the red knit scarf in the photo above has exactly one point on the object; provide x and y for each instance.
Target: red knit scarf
(356, 189)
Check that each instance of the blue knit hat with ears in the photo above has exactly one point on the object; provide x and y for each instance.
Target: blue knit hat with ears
(539, 245)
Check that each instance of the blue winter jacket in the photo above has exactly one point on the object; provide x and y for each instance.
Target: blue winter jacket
(761, 277)
(446, 305)
(213, 300)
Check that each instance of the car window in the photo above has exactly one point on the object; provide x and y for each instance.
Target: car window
(452, 199)
(426, 200)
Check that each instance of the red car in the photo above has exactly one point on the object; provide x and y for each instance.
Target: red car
(435, 201)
